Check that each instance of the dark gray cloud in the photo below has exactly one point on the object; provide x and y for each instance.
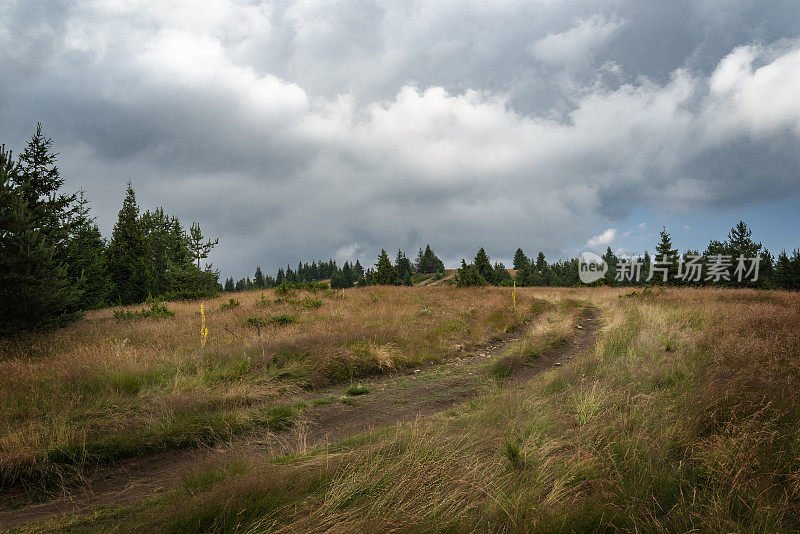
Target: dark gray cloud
(305, 129)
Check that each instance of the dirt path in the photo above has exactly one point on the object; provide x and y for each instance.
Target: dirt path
(401, 396)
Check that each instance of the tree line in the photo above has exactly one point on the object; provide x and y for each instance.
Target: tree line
(664, 267)
(401, 272)
(782, 272)
(55, 263)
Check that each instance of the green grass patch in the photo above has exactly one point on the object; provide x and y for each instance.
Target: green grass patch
(356, 390)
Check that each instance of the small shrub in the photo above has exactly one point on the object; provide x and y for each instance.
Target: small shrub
(357, 390)
(156, 311)
(284, 289)
(283, 320)
(259, 322)
(308, 302)
(232, 303)
(348, 401)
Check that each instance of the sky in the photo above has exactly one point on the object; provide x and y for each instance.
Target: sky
(304, 129)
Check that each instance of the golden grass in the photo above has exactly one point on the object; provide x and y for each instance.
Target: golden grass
(684, 418)
(105, 387)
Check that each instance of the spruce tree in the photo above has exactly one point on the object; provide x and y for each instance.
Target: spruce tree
(469, 275)
(229, 285)
(540, 271)
(519, 259)
(665, 252)
(385, 273)
(39, 181)
(126, 254)
(484, 266)
(524, 275)
(404, 269)
(259, 278)
(86, 258)
(430, 264)
(36, 290)
(501, 274)
(200, 250)
(611, 260)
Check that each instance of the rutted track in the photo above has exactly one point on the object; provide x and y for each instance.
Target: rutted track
(394, 398)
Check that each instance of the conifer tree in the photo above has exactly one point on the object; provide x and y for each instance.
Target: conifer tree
(469, 275)
(39, 181)
(385, 273)
(229, 285)
(500, 274)
(429, 263)
(611, 261)
(36, 290)
(665, 252)
(540, 271)
(484, 266)
(524, 275)
(86, 259)
(200, 250)
(259, 278)
(519, 259)
(126, 254)
(404, 268)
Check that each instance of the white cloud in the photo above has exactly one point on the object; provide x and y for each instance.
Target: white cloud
(603, 239)
(310, 129)
(577, 43)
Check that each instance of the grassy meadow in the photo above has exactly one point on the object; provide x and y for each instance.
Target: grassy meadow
(119, 384)
(683, 417)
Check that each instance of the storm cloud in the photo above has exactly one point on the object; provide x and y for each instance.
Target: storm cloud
(305, 129)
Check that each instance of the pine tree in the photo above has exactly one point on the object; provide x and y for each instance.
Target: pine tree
(200, 250)
(229, 285)
(385, 273)
(519, 259)
(86, 259)
(611, 261)
(404, 268)
(540, 271)
(259, 278)
(36, 290)
(665, 253)
(469, 275)
(484, 266)
(524, 275)
(418, 261)
(39, 181)
(500, 274)
(430, 264)
(126, 254)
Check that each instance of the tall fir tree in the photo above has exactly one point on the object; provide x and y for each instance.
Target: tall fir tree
(519, 259)
(484, 266)
(86, 258)
(259, 278)
(36, 290)
(127, 254)
(200, 249)
(385, 273)
(665, 254)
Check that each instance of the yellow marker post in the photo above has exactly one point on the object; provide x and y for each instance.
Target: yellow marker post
(203, 329)
(514, 296)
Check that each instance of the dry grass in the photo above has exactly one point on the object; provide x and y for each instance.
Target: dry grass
(684, 418)
(106, 388)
